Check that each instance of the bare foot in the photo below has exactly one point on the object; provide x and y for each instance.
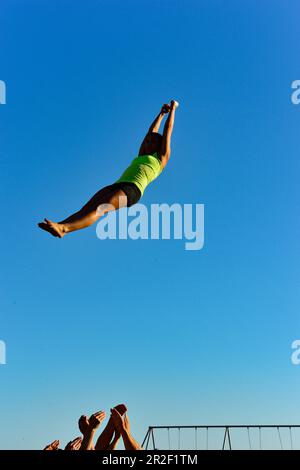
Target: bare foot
(57, 230)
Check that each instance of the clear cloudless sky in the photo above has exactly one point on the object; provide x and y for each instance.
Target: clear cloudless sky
(182, 337)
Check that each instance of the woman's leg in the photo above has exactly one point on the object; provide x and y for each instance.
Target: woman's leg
(104, 201)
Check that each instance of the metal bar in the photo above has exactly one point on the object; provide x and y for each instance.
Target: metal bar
(153, 442)
(224, 440)
(230, 426)
(148, 438)
(227, 428)
(229, 440)
(145, 438)
(280, 440)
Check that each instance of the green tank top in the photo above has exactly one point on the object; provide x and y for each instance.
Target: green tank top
(142, 171)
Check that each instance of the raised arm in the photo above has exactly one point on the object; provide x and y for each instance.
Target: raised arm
(88, 435)
(168, 129)
(157, 121)
(155, 125)
(122, 427)
(114, 443)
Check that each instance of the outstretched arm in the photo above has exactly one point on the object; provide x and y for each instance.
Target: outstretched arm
(114, 443)
(88, 436)
(157, 121)
(105, 441)
(168, 129)
(129, 442)
(122, 427)
(156, 124)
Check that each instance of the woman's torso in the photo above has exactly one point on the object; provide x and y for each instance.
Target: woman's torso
(142, 171)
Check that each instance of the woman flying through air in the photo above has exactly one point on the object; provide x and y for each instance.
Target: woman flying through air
(153, 156)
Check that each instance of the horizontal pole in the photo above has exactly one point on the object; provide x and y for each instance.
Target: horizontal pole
(228, 426)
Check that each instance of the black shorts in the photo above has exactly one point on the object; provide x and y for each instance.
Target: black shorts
(130, 189)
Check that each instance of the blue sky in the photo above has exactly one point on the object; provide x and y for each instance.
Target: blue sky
(181, 337)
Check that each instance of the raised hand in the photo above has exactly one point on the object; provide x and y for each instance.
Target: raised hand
(121, 408)
(83, 424)
(88, 428)
(174, 104)
(165, 108)
(118, 420)
(122, 426)
(105, 441)
(53, 446)
(75, 444)
(96, 419)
